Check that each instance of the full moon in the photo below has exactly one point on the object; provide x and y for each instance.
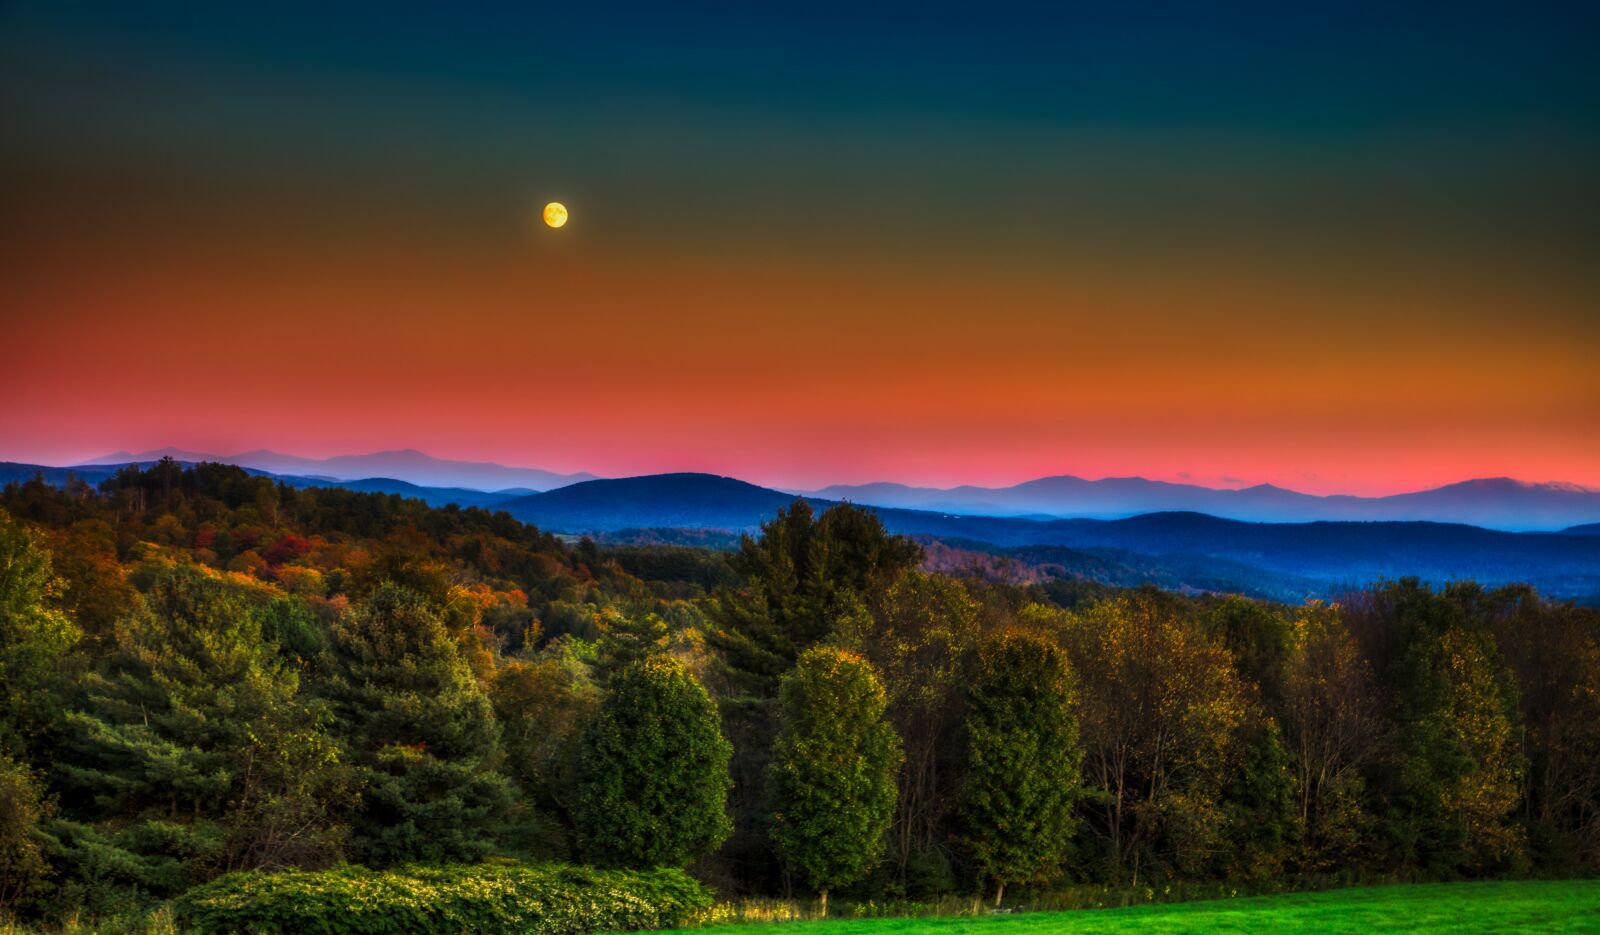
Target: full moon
(555, 214)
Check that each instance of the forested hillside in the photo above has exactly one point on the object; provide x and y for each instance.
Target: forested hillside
(205, 672)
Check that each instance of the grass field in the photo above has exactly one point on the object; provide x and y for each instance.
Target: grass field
(1500, 907)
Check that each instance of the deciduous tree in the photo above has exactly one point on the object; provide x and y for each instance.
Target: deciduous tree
(1159, 708)
(833, 770)
(653, 784)
(1023, 761)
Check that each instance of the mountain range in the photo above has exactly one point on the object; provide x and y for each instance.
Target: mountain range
(1494, 503)
(1285, 560)
(407, 465)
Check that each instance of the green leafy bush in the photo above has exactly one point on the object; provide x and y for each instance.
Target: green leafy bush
(545, 899)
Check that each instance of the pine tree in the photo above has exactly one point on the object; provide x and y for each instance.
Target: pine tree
(193, 754)
(653, 785)
(833, 770)
(1023, 761)
(419, 731)
(801, 575)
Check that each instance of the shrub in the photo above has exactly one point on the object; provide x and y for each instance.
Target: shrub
(544, 899)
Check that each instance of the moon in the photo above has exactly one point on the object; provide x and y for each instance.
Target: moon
(555, 214)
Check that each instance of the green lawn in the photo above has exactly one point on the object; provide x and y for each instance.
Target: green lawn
(1501, 907)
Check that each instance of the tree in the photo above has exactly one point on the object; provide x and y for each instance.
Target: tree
(542, 707)
(1260, 640)
(1554, 650)
(1333, 728)
(419, 731)
(1450, 781)
(1259, 803)
(1259, 800)
(33, 637)
(799, 577)
(22, 864)
(795, 584)
(653, 785)
(1159, 708)
(833, 770)
(1023, 761)
(193, 753)
(918, 631)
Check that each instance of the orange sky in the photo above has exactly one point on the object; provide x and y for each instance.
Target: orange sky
(793, 371)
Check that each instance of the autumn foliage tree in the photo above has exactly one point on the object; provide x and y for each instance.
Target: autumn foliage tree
(542, 707)
(1333, 729)
(1160, 706)
(1554, 651)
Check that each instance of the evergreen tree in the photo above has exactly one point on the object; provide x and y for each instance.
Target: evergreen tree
(833, 770)
(1023, 761)
(802, 574)
(419, 731)
(192, 754)
(653, 785)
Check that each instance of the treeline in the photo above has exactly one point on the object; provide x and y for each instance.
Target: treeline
(205, 672)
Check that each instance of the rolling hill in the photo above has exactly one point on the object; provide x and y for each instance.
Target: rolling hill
(1182, 550)
(1330, 555)
(666, 501)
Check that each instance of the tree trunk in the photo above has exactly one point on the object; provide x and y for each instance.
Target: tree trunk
(824, 894)
(999, 891)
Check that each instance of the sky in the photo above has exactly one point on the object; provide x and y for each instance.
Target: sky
(1337, 247)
